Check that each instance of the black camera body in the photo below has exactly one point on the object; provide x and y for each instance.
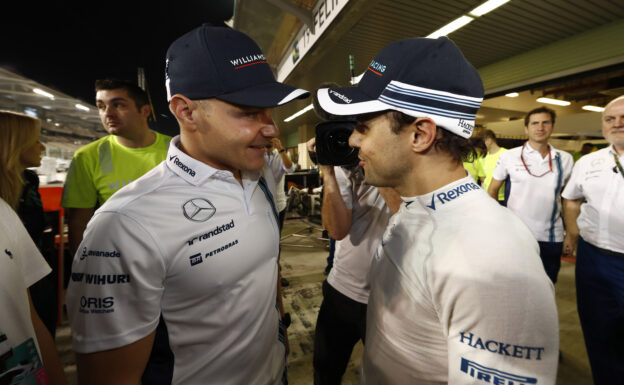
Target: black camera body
(332, 143)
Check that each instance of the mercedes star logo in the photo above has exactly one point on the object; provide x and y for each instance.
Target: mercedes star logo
(198, 210)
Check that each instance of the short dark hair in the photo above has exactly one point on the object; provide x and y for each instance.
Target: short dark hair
(457, 147)
(540, 110)
(489, 134)
(135, 92)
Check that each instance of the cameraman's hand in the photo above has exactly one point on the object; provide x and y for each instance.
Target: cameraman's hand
(277, 144)
(311, 145)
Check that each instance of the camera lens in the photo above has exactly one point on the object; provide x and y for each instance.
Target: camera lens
(339, 142)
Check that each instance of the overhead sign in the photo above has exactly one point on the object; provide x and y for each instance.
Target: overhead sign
(324, 13)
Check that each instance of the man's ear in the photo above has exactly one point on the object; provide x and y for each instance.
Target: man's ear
(146, 110)
(424, 133)
(182, 107)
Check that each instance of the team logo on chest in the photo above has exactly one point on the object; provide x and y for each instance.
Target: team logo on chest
(198, 210)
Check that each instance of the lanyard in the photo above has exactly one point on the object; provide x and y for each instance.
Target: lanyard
(619, 166)
(527, 168)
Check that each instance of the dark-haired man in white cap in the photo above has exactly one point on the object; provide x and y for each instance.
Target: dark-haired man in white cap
(196, 238)
(443, 308)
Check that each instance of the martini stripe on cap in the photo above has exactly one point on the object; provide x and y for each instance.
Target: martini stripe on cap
(430, 103)
(427, 109)
(450, 99)
(410, 87)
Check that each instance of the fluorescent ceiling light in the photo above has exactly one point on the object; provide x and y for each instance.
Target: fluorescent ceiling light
(43, 93)
(81, 107)
(593, 108)
(556, 102)
(512, 95)
(451, 27)
(298, 113)
(487, 7)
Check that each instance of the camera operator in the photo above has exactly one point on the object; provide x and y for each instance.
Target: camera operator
(356, 215)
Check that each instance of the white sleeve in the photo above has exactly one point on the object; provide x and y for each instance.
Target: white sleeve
(500, 172)
(27, 256)
(574, 188)
(345, 185)
(277, 167)
(502, 327)
(116, 285)
(568, 164)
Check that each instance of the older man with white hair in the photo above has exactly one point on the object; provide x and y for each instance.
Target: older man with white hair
(594, 203)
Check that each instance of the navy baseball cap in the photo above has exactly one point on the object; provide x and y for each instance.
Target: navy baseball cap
(420, 77)
(219, 62)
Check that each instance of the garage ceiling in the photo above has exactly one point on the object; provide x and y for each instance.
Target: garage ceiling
(366, 26)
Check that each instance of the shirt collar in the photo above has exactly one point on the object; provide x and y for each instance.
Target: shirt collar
(613, 152)
(443, 197)
(197, 172)
(530, 150)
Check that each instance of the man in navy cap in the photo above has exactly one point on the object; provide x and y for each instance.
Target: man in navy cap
(447, 305)
(196, 238)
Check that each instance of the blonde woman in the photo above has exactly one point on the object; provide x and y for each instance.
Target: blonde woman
(21, 265)
(19, 148)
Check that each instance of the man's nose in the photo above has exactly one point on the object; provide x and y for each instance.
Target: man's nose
(354, 139)
(269, 128)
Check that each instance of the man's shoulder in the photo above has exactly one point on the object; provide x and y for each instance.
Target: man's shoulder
(92, 147)
(509, 154)
(146, 185)
(593, 157)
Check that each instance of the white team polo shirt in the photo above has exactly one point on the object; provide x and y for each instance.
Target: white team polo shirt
(189, 241)
(597, 179)
(459, 296)
(354, 253)
(537, 200)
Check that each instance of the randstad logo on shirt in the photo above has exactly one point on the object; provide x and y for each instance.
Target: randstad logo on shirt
(451, 194)
(493, 376)
(98, 253)
(182, 166)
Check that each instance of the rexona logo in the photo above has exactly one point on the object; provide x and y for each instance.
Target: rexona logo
(97, 304)
(340, 96)
(451, 194)
(99, 253)
(182, 166)
(498, 347)
(493, 376)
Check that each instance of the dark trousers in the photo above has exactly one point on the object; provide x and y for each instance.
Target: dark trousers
(600, 301)
(550, 252)
(341, 323)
